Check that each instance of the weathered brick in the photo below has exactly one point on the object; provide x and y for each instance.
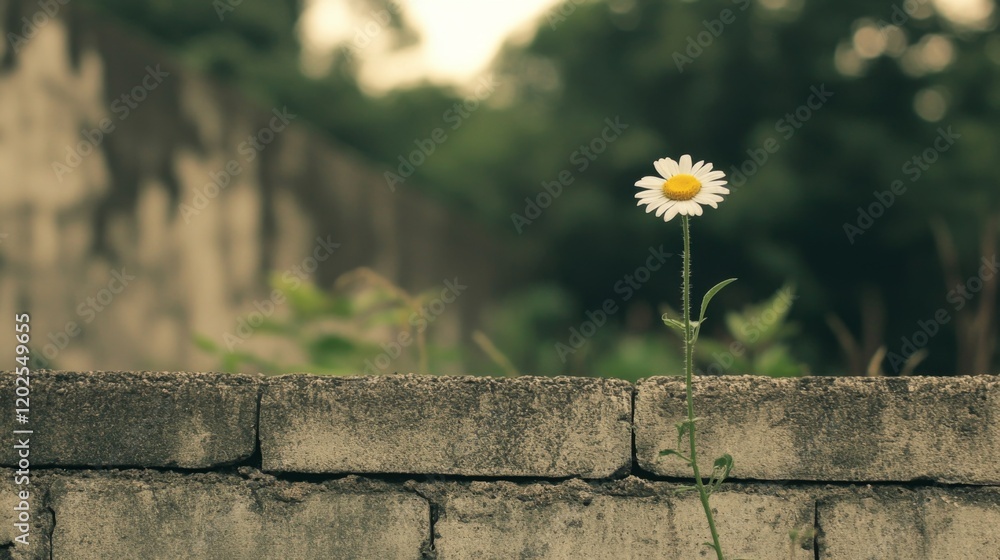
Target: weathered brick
(474, 426)
(830, 429)
(190, 420)
(624, 519)
(167, 516)
(39, 518)
(922, 524)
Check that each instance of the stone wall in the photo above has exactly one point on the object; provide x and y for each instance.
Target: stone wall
(135, 213)
(183, 465)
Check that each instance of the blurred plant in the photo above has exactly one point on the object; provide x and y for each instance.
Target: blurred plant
(336, 332)
(866, 355)
(863, 355)
(494, 353)
(975, 328)
(758, 341)
(798, 538)
(525, 325)
(636, 356)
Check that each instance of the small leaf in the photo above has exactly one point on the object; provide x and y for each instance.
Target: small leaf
(673, 323)
(720, 470)
(711, 294)
(683, 427)
(667, 452)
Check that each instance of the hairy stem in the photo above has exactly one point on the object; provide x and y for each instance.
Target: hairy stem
(689, 381)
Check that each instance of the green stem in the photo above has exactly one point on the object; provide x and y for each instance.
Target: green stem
(689, 380)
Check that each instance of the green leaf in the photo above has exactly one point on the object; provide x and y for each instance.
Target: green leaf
(720, 470)
(667, 452)
(759, 324)
(673, 323)
(711, 294)
(682, 428)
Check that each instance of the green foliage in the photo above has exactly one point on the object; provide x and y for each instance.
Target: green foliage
(758, 341)
(337, 332)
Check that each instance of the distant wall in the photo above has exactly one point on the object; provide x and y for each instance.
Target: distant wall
(115, 236)
(181, 465)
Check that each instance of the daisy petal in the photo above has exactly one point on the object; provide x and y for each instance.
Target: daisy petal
(715, 190)
(710, 200)
(666, 167)
(702, 198)
(710, 176)
(671, 212)
(685, 164)
(664, 207)
(661, 167)
(695, 208)
(650, 182)
(713, 184)
(690, 208)
(649, 194)
(696, 168)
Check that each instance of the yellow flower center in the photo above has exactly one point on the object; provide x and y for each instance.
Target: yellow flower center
(681, 187)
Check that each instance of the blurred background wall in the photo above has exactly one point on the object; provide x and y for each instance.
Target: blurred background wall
(143, 204)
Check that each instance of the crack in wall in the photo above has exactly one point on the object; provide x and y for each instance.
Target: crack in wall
(52, 531)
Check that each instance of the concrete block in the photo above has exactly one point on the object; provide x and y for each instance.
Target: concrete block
(145, 419)
(629, 519)
(472, 426)
(167, 516)
(829, 429)
(17, 508)
(916, 524)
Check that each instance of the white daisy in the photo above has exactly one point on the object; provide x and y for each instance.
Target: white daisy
(681, 188)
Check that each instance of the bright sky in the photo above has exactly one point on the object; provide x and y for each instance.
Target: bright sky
(458, 37)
